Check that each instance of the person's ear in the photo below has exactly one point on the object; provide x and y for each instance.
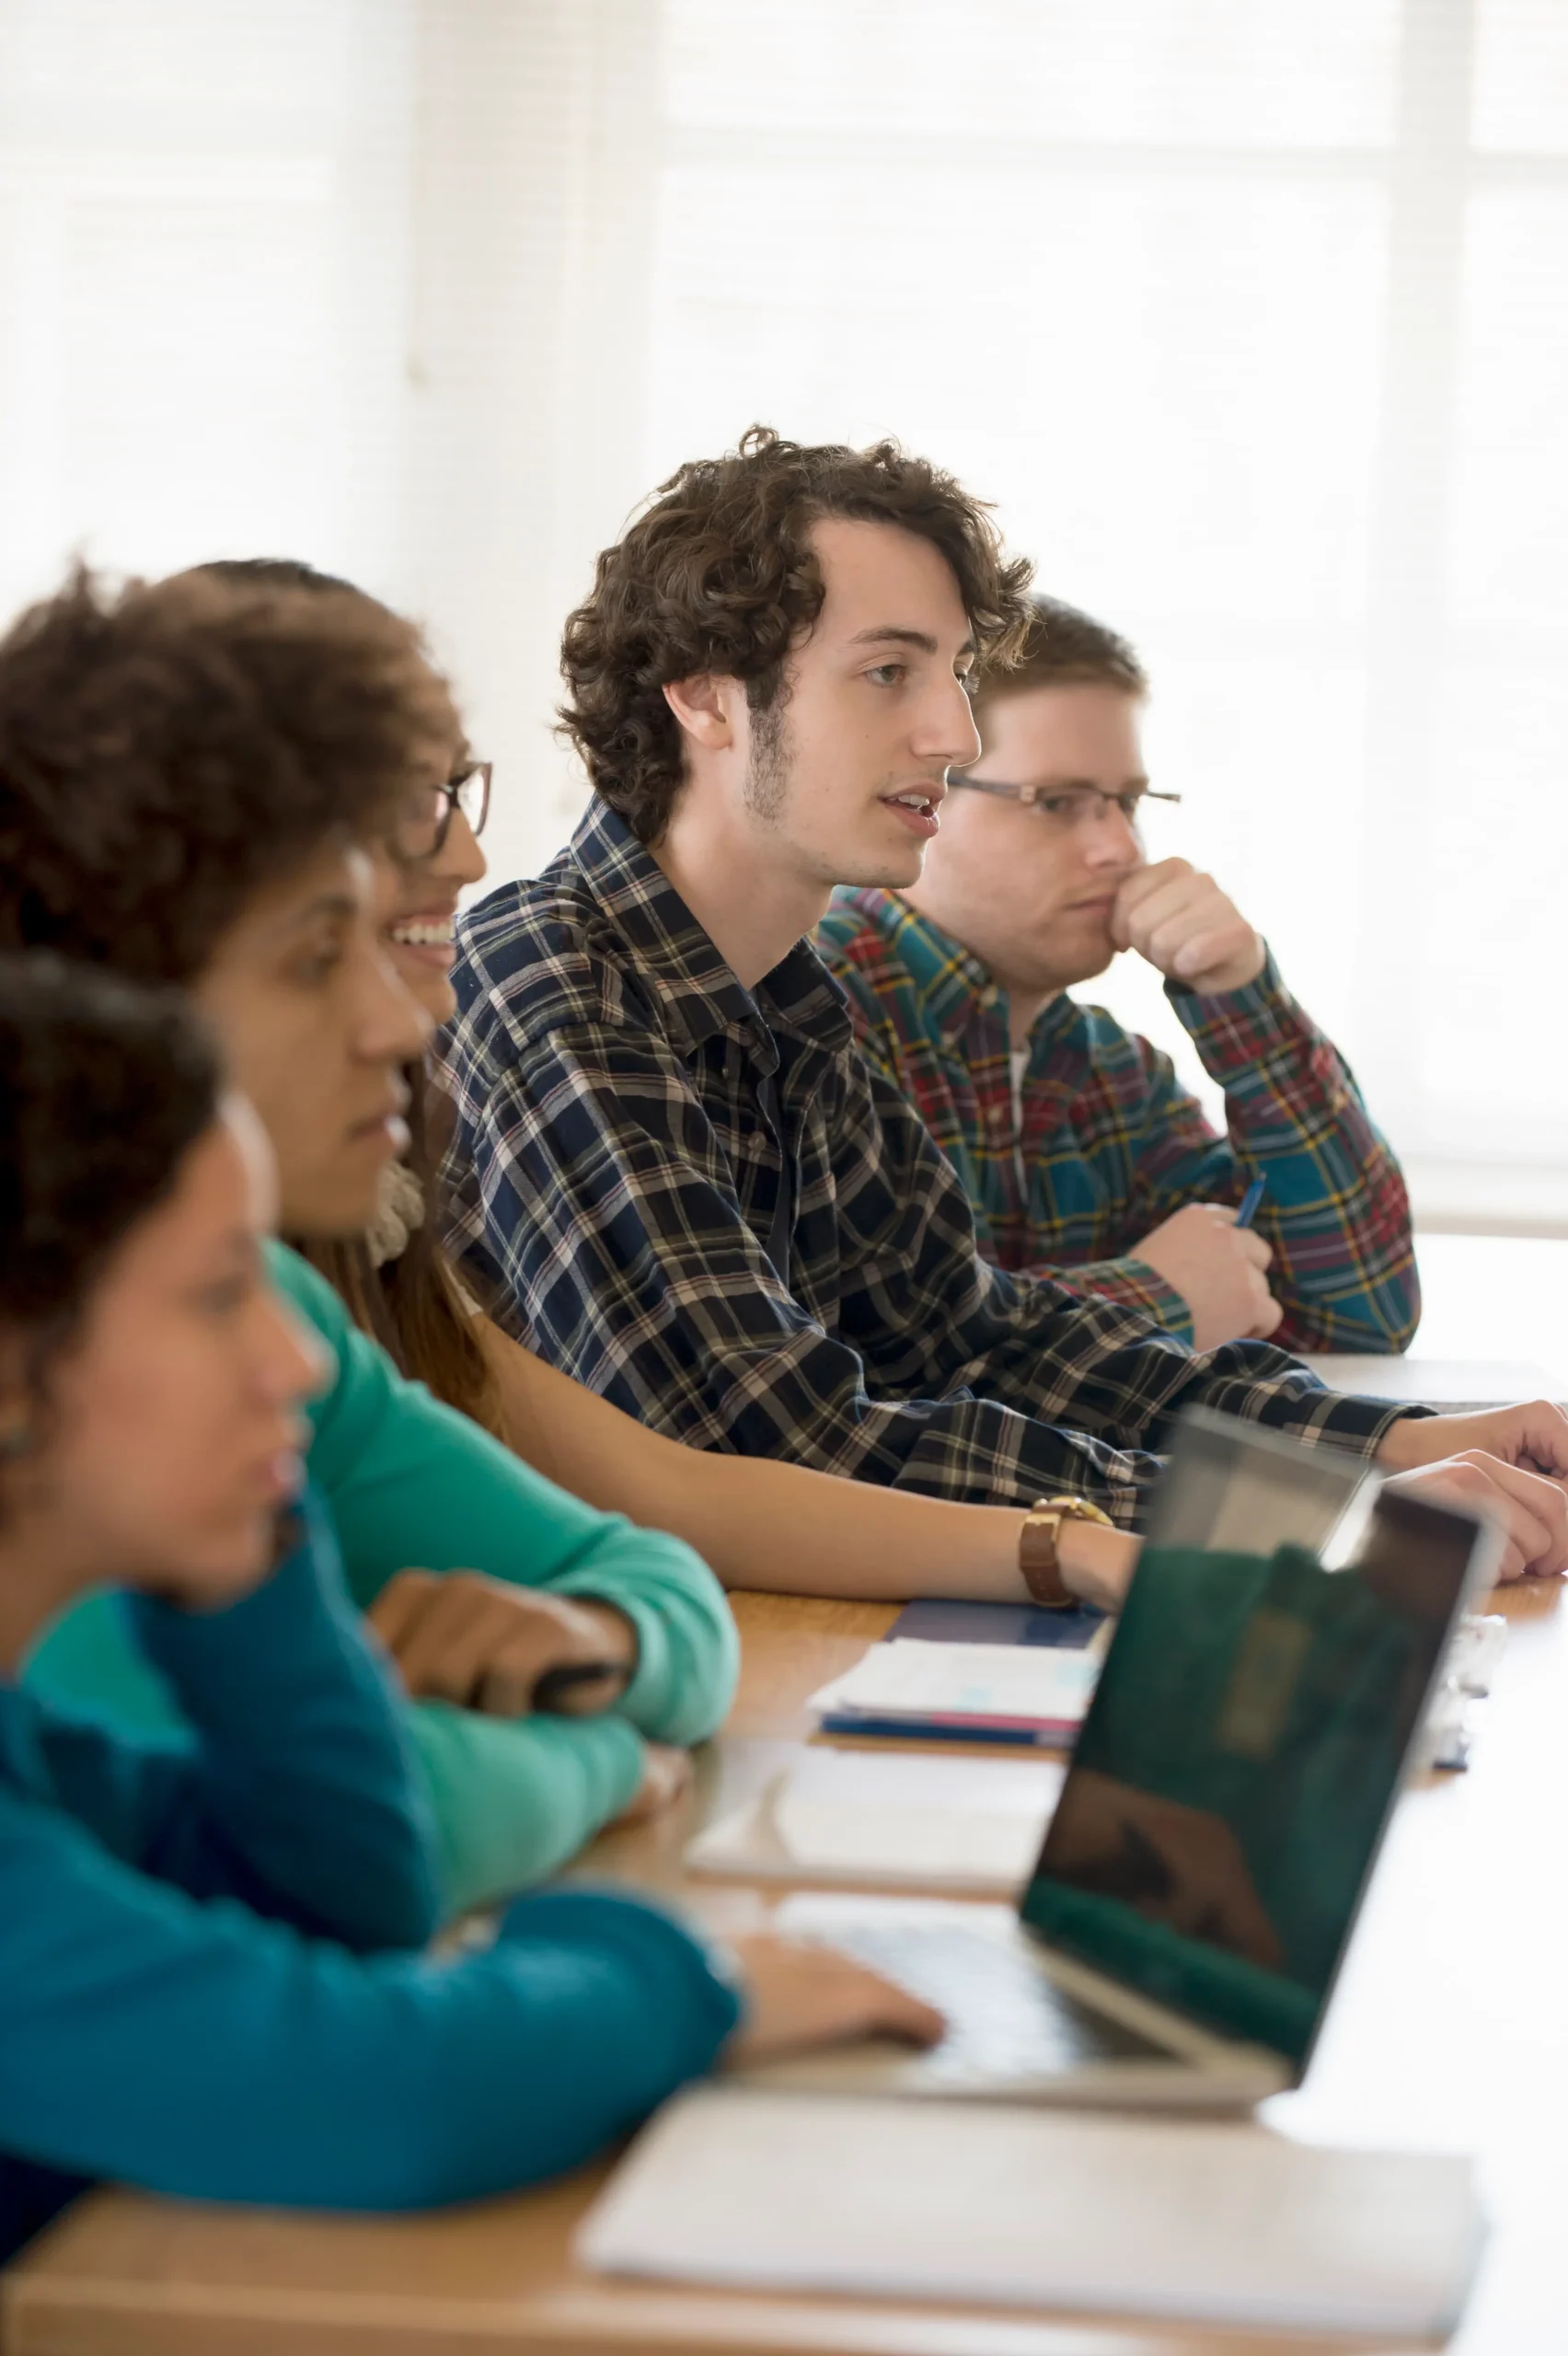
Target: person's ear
(705, 707)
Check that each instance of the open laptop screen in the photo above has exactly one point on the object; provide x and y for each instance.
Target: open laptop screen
(1232, 1782)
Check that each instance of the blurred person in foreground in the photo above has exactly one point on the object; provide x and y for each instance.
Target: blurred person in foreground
(210, 1974)
(1082, 1154)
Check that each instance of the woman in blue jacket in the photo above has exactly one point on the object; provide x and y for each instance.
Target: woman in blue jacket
(210, 1982)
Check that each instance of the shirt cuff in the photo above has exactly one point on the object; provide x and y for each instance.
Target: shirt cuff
(1355, 1422)
(1232, 1029)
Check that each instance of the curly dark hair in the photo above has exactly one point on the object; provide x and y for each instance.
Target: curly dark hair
(717, 574)
(105, 1086)
(1063, 647)
(168, 750)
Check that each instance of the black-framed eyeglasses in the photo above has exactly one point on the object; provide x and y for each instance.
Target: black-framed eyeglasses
(428, 820)
(1067, 806)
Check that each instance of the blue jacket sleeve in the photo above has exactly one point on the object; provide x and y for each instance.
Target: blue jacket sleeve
(192, 2047)
(296, 1789)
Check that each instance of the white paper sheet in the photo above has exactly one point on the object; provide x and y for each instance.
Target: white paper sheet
(1007, 2206)
(902, 1820)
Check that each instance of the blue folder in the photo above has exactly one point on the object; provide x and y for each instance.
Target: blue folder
(941, 1620)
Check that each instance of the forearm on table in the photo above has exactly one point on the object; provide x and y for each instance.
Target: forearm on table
(786, 1530)
(759, 1524)
(781, 1529)
(511, 1799)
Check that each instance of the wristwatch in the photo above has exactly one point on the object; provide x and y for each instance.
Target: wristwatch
(1038, 1541)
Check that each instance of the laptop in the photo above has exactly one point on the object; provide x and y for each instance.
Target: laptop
(1178, 1942)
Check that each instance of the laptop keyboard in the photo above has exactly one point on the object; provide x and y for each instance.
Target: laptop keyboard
(1006, 2019)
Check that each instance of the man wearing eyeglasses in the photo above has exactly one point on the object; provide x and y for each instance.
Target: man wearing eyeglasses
(1081, 1152)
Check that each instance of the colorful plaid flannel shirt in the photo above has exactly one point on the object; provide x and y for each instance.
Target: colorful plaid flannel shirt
(633, 1130)
(1112, 1143)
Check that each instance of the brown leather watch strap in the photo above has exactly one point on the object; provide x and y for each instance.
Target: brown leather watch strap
(1039, 1544)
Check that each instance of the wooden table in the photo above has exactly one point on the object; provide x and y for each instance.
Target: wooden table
(1450, 2028)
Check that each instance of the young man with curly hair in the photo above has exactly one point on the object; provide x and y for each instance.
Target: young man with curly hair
(1082, 1154)
(673, 1170)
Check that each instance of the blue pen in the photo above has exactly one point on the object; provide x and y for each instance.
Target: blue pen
(1250, 1201)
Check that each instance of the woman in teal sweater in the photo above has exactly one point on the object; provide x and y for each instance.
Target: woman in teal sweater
(208, 1977)
(186, 774)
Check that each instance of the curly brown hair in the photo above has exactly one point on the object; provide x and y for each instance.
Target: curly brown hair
(168, 750)
(104, 1088)
(719, 574)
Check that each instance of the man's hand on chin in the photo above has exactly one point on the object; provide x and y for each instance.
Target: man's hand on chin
(1187, 928)
(1534, 1437)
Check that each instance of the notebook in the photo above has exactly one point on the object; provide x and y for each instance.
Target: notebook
(959, 1620)
(1204, 2222)
(910, 1689)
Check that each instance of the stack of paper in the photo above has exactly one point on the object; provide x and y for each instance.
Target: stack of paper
(1006, 1694)
(890, 1820)
(1025, 2207)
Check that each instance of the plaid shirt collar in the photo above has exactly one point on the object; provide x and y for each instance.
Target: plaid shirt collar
(953, 986)
(679, 962)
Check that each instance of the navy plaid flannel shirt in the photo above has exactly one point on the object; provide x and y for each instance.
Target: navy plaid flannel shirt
(613, 1180)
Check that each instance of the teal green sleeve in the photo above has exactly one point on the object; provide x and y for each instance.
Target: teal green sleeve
(413, 1484)
(513, 1799)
